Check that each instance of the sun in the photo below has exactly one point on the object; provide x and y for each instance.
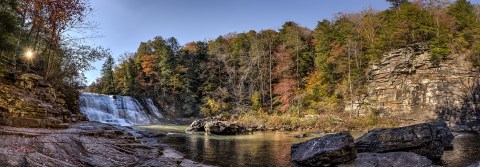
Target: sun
(29, 54)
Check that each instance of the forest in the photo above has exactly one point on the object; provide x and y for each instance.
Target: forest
(47, 38)
(293, 71)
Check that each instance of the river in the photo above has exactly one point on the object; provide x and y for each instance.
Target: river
(273, 148)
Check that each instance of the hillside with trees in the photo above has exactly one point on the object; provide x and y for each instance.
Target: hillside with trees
(37, 37)
(293, 71)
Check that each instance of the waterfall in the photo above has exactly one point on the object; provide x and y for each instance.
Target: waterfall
(121, 110)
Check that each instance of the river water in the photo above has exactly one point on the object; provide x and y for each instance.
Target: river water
(273, 148)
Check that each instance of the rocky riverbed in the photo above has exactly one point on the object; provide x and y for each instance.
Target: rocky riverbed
(85, 144)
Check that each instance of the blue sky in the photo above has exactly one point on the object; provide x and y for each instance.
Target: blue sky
(123, 24)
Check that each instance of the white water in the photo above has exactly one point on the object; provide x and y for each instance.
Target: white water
(121, 110)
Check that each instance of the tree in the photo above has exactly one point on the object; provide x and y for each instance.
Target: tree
(9, 29)
(108, 84)
(466, 25)
(397, 3)
(47, 22)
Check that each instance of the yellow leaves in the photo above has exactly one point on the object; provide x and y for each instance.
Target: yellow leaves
(213, 107)
(315, 84)
(256, 101)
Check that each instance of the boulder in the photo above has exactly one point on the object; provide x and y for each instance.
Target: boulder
(224, 128)
(197, 126)
(389, 159)
(427, 139)
(328, 150)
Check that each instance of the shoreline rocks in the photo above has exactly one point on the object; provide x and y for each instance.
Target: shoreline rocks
(415, 145)
(224, 128)
(214, 126)
(197, 125)
(427, 139)
(85, 144)
(328, 150)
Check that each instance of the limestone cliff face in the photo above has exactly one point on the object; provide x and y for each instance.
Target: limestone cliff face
(26, 100)
(406, 82)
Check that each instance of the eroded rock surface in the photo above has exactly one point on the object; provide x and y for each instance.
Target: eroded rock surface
(328, 150)
(406, 81)
(427, 139)
(84, 144)
(404, 159)
(27, 101)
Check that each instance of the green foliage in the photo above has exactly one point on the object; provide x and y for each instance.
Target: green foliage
(438, 49)
(108, 84)
(464, 13)
(397, 3)
(256, 101)
(9, 26)
(213, 107)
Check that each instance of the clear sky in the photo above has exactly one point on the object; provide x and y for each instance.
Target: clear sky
(125, 23)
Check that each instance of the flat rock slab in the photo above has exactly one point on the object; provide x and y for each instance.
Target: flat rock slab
(84, 144)
(426, 139)
(404, 159)
(328, 150)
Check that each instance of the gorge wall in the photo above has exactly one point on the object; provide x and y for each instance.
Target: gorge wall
(27, 100)
(407, 82)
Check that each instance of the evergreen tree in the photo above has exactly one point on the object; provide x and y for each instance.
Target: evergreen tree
(397, 3)
(466, 25)
(130, 82)
(108, 84)
(9, 25)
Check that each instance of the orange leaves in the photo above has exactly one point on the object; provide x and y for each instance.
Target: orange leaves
(286, 89)
(191, 47)
(149, 64)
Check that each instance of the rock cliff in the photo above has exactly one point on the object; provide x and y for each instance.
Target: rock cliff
(407, 82)
(26, 100)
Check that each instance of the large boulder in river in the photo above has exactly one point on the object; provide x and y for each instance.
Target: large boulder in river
(427, 139)
(405, 159)
(224, 128)
(328, 150)
(197, 125)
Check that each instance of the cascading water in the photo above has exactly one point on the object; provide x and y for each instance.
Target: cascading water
(121, 110)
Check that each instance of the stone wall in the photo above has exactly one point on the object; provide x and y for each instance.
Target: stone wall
(406, 82)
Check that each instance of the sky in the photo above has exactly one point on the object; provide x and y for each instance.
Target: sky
(123, 24)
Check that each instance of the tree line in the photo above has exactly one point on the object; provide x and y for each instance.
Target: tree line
(293, 69)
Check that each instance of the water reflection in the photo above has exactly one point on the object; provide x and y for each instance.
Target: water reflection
(466, 150)
(258, 149)
(273, 148)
